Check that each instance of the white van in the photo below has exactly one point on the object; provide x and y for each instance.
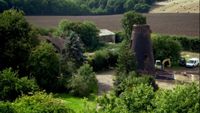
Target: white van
(193, 62)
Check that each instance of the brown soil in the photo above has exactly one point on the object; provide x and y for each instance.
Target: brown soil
(173, 24)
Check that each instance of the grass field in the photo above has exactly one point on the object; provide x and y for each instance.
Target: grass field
(77, 104)
(172, 24)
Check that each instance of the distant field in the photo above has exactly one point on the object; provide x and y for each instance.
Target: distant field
(173, 24)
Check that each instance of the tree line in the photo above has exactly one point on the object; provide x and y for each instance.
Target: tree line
(76, 7)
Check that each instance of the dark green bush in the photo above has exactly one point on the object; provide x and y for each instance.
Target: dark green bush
(44, 66)
(6, 107)
(166, 48)
(83, 82)
(11, 86)
(103, 59)
(40, 103)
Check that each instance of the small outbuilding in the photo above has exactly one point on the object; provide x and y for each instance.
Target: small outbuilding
(106, 36)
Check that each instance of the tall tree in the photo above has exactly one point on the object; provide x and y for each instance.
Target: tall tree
(16, 40)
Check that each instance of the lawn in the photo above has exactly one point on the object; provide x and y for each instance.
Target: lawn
(77, 104)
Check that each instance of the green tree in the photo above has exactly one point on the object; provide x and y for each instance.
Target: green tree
(44, 66)
(129, 19)
(166, 48)
(16, 40)
(73, 49)
(126, 60)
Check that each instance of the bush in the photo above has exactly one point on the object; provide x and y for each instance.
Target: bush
(138, 99)
(182, 99)
(44, 66)
(6, 107)
(166, 48)
(40, 103)
(84, 82)
(11, 86)
(103, 59)
(125, 82)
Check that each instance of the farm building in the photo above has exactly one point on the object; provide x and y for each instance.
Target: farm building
(106, 36)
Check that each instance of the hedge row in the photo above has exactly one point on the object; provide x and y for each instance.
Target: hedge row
(187, 43)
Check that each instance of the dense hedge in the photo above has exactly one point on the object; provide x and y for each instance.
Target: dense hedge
(187, 43)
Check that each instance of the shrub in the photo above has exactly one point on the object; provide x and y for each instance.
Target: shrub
(125, 82)
(84, 82)
(166, 48)
(103, 59)
(44, 66)
(182, 99)
(40, 103)
(6, 107)
(11, 86)
(138, 99)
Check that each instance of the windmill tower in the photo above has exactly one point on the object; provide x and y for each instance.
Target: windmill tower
(142, 46)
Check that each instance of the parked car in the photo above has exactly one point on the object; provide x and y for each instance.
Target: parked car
(193, 62)
(158, 64)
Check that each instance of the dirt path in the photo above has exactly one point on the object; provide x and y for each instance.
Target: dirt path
(105, 81)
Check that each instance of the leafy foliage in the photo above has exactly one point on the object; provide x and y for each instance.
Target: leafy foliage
(103, 59)
(40, 102)
(126, 59)
(129, 19)
(182, 99)
(73, 49)
(6, 107)
(75, 7)
(125, 82)
(44, 66)
(87, 31)
(84, 82)
(166, 48)
(16, 40)
(11, 86)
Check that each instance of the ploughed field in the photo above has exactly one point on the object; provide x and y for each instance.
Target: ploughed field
(172, 23)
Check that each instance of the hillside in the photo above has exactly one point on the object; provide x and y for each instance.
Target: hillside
(176, 6)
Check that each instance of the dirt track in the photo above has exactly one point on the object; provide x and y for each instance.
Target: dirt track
(174, 24)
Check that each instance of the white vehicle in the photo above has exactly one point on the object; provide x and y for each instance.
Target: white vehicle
(193, 62)
(158, 64)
